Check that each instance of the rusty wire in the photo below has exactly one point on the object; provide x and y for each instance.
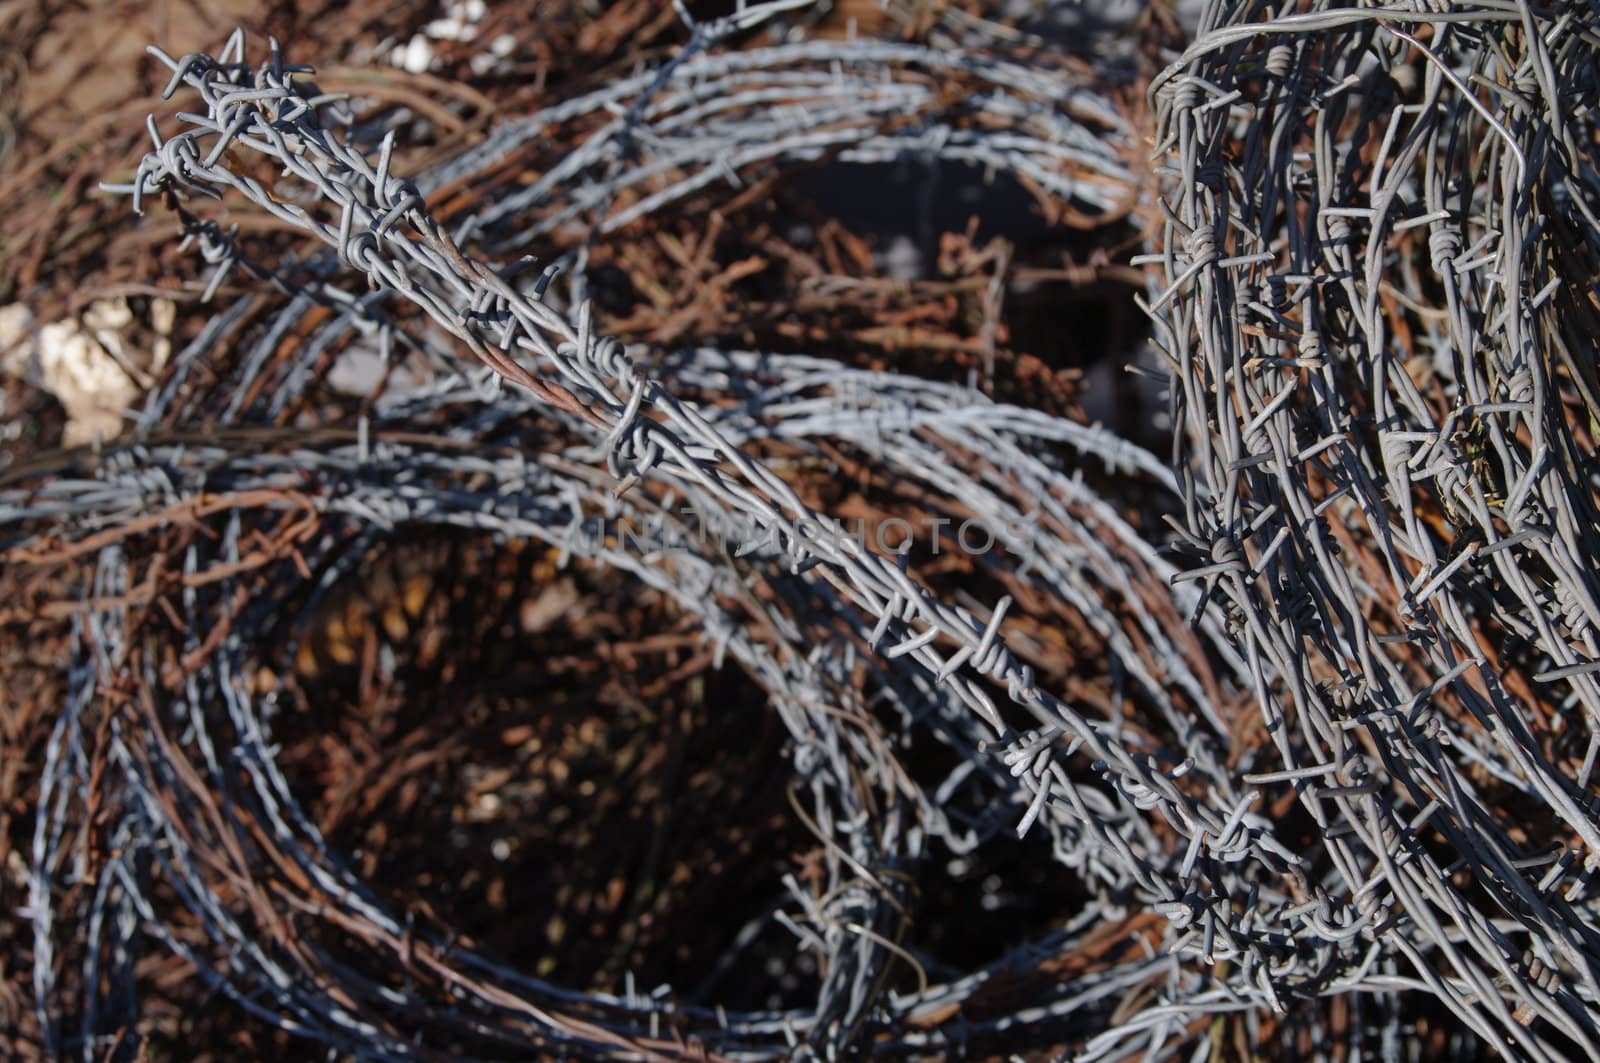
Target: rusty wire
(1344, 656)
(627, 434)
(1377, 258)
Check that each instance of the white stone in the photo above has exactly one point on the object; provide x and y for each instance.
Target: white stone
(415, 56)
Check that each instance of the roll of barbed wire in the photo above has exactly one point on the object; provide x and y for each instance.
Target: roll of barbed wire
(1297, 795)
(1081, 552)
(649, 141)
(1378, 250)
(710, 120)
(216, 551)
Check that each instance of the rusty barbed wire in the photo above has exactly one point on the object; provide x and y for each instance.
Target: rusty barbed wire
(575, 510)
(853, 919)
(1249, 830)
(1377, 249)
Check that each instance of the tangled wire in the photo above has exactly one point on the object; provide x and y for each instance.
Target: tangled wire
(1379, 306)
(1299, 790)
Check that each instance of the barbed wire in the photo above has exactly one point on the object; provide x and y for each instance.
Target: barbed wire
(596, 382)
(524, 498)
(1335, 501)
(1377, 220)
